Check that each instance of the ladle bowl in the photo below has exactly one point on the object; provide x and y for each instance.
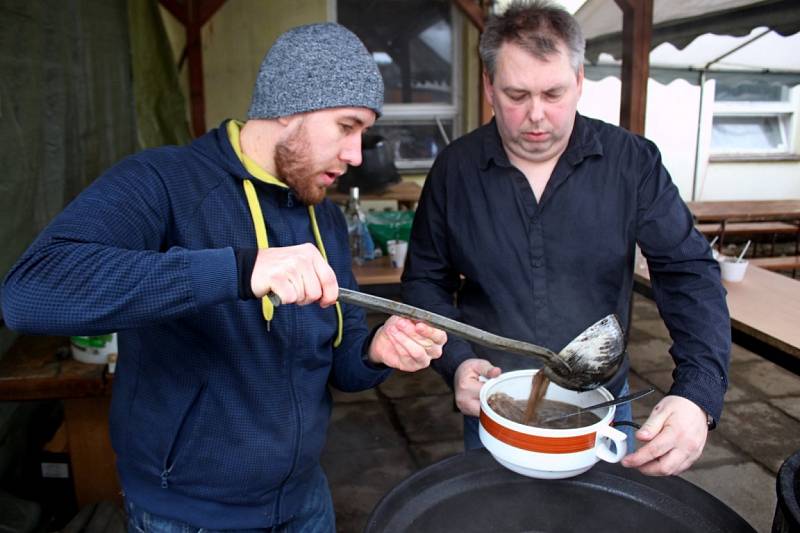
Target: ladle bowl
(593, 357)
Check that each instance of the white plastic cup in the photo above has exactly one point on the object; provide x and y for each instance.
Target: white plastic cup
(731, 269)
(397, 252)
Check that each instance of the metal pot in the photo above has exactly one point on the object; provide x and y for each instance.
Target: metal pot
(471, 492)
(377, 170)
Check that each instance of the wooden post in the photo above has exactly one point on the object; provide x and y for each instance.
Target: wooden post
(93, 461)
(637, 30)
(477, 13)
(193, 14)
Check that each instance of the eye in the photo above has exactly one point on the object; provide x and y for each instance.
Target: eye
(347, 129)
(553, 95)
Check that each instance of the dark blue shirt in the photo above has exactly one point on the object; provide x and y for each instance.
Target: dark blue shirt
(485, 252)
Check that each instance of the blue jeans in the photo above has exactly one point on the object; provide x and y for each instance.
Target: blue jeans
(315, 516)
(472, 440)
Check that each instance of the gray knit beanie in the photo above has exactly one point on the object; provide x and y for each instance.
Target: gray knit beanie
(313, 67)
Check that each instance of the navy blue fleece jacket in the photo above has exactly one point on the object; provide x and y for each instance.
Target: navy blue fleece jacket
(216, 419)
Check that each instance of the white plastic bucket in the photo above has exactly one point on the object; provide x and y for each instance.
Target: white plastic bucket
(94, 349)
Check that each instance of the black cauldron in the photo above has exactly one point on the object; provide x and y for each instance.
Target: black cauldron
(471, 492)
(787, 512)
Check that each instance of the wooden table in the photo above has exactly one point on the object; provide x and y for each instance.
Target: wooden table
(32, 370)
(764, 305)
(377, 272)
(745, 210)
(405, 193)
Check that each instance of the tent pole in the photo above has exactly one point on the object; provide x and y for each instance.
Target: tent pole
(697, 136)
(702, 98)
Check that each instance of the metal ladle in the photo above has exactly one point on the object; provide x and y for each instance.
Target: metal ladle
(585, 363)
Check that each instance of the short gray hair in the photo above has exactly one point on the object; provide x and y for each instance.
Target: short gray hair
(538, 27)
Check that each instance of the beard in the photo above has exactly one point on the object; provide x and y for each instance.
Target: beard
(295, 167)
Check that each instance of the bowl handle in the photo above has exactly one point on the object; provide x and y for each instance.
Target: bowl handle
(606, 435)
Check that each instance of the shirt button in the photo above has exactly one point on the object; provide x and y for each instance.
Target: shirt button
(537, 263)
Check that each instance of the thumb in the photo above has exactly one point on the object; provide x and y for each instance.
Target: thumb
(654, 423)
(492, 372)
(485, 368)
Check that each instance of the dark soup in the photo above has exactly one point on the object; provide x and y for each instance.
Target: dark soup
(514, 410)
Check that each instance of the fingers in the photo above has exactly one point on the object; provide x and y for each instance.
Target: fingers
(652, 426)
(662, 457)
(297, 274)
(429, 334)
(669, 464)
(329, 287)
(675, 434)
(467, 384)
(406, 345)
(421, 341)
(653, 450)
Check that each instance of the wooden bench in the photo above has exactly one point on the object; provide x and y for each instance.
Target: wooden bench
(745, 210)
(780, 263)
(748, 228)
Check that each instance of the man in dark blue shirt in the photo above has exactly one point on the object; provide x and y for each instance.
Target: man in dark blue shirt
(527, 227)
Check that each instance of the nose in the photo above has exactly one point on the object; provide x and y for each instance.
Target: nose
(536, 110)
(351, 151)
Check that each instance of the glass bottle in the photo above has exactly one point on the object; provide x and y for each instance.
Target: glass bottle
(362, 247)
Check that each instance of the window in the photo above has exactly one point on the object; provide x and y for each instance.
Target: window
(414, 44)
(753, 117)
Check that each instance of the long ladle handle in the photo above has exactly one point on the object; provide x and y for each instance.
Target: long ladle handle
(470, 333)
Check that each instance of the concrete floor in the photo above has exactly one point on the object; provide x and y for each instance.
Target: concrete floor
(379, 437)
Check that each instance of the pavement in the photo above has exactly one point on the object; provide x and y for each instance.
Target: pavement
(379, 437)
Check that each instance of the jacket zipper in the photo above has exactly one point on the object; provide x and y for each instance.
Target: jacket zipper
(169, 460)
(298, 415)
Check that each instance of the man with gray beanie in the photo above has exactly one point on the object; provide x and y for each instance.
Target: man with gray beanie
(220, 404)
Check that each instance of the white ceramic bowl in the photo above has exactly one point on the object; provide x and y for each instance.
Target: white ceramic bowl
(548, 453)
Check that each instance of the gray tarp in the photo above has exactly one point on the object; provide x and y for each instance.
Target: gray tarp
(67, 104)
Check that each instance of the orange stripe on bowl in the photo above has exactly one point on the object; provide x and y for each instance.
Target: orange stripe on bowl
(535, 443)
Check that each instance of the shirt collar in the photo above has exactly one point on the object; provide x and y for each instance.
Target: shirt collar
(492, 147)
(583, 142)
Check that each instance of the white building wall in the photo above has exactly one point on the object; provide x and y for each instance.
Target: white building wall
(778, 180)
(672, 123)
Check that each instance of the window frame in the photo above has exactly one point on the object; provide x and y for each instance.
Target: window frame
(399, 113)
(784, 111)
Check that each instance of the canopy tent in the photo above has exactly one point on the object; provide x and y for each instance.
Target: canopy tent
(636, 26)
(739, 41)
(679, 22)
(763, 53)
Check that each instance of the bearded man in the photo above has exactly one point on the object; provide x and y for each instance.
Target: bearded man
(220, 403)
